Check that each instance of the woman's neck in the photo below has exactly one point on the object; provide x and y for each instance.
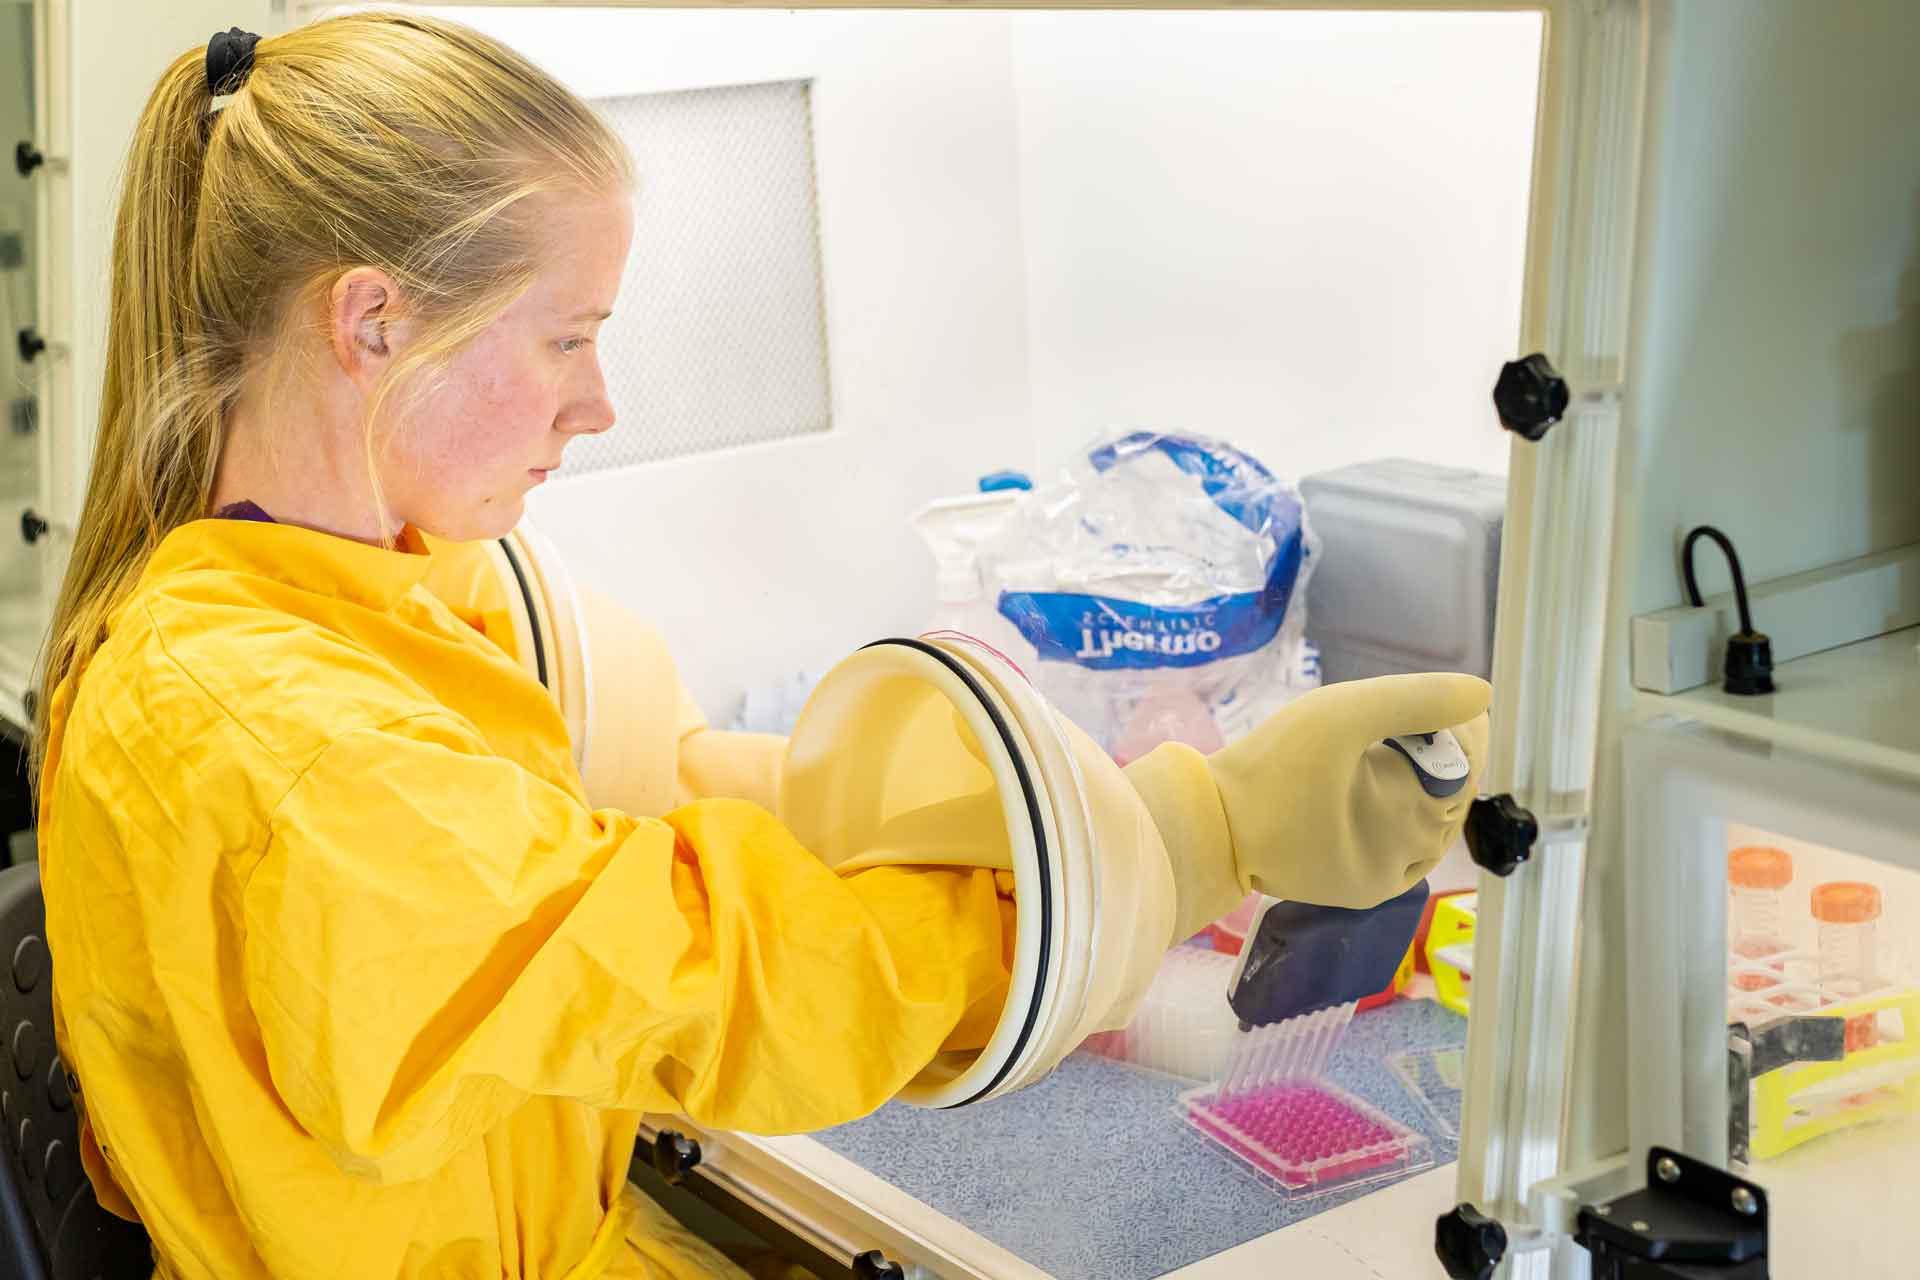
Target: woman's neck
(305, 466)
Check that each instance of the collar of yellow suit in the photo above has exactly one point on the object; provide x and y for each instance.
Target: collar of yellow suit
(324, 563)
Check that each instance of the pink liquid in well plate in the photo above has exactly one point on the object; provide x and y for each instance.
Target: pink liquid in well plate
(1302, 1134)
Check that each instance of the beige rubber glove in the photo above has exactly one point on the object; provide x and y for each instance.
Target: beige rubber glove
(1313, 806)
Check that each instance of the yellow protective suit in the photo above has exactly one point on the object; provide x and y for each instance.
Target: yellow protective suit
(663, 754)
(356, 983)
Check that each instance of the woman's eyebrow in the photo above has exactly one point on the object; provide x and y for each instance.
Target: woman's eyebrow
(591, 315)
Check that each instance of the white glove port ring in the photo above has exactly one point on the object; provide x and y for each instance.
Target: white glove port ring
(938, 752)
(1044, 881)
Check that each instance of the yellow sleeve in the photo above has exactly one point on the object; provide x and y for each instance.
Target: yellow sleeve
(435, 934)
(722, 763)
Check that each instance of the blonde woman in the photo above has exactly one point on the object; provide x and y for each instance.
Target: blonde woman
(354, 981)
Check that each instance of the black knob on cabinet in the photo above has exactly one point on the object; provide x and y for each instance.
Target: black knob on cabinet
(1470, 1244)
(27, 158)
(1530, 396)
(675, 1155)
(1500, 834)
(31, 343)
(873, 1265)
(32, 526)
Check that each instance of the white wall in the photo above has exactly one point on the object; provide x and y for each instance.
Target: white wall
(1776, 383)
(1302, 231)
(763, 560)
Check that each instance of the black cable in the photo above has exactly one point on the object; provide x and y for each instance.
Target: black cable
(1748, 668)
(1733, 563)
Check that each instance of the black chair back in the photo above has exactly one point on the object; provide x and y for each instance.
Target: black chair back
(51, 1226)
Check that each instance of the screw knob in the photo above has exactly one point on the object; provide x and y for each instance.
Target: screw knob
(1530, 396)
(1500, 834)
(1470, 1244)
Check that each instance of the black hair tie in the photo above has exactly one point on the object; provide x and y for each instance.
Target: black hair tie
(229, 59)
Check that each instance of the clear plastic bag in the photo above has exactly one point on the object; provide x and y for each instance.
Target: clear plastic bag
(1161, 586)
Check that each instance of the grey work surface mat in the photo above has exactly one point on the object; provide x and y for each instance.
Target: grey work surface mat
(1093, 1175)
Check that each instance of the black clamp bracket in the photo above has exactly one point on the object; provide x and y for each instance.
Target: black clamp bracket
(1500, 833)
(675, 1155)
(1690, 1222)
(1754, 1050)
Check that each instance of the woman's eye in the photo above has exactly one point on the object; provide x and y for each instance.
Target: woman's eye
(570, 345)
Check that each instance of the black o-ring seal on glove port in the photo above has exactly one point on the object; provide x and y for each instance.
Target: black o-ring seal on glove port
(533, 613)
(1040, 847)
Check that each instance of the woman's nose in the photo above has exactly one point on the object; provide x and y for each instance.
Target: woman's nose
(588, 417)
(590, 412)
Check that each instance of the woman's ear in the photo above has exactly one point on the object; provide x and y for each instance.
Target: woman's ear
(361, 312)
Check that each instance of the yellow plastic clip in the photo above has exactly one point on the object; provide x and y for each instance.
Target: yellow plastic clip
(1450, 950)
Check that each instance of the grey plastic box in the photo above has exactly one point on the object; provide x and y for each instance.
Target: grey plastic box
(1408, 569)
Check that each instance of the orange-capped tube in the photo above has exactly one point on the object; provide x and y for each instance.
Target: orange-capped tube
(1757, 876)
(1847, 913)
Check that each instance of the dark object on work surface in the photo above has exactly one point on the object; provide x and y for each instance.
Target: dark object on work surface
(1749, 664)
(1469, 1243)
(1530, 396)
(51, 1227)
(873, 1265)
(1300, 958)
(675, 1155)
(1690, 1222)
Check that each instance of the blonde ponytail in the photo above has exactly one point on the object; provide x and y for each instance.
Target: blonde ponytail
(396, 141)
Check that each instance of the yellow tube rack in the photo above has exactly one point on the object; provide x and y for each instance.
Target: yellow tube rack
(1806, 1100)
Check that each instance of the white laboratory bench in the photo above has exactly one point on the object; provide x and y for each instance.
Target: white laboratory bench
(844, 1210)
(1051, 1183)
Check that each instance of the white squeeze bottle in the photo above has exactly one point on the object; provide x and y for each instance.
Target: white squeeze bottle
(954, 529)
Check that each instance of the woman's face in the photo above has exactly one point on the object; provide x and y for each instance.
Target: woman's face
(498, 420)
